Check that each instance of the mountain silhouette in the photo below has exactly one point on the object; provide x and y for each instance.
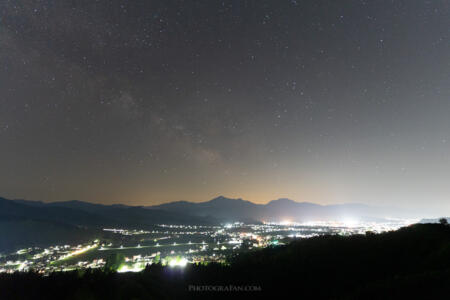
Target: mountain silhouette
(283, 209)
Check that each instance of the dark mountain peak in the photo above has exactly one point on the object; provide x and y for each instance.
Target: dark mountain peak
(74, 202)
(27, 202)
(287, 201)
(180, 202)
(221, 198)
(77, 204)
(70, 202)
(224, 199)
(282, 201)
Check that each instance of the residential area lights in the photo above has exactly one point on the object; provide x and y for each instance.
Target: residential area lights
(175, 245)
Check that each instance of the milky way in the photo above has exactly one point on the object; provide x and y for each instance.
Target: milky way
(144, 102)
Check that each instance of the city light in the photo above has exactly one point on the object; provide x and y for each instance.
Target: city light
(349, 222)
(180, 244)
(178, 262)
(137, 267)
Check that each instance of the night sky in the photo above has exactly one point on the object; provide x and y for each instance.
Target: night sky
(143, 102)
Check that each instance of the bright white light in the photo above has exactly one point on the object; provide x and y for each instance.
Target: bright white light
(137, 267)
(234, 241)
(178, 262)
(285, 222)
(349, 222)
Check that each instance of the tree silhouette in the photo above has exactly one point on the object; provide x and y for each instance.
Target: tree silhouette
(443, 221)
(114, 261)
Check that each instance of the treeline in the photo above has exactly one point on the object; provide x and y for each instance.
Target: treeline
(413, 262)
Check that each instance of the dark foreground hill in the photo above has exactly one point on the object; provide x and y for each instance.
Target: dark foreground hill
(411, 263)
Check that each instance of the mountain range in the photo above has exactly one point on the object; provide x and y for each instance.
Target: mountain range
(26, 223)
(228, 210)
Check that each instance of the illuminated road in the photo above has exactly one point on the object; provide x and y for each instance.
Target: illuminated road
(153, 246)
(78, 252)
